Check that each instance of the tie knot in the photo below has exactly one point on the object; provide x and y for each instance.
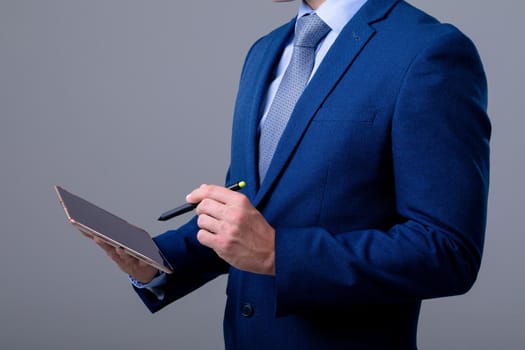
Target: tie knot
(310, 30)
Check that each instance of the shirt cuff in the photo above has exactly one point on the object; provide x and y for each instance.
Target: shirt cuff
(156, 285)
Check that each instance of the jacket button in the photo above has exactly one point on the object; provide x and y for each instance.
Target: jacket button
(247, 310)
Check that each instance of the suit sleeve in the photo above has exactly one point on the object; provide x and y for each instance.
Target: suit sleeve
(440, 156)
(193, 265)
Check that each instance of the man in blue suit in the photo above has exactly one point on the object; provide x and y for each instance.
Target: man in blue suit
(375, 197)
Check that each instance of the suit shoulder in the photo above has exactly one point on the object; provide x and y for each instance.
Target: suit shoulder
(411, 30)
(276, 39)
(410, 19)
(270, 37)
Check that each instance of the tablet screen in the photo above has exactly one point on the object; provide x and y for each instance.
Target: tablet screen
(94, 220)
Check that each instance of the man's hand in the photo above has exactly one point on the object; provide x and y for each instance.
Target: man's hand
(234, 229)
(134, 267)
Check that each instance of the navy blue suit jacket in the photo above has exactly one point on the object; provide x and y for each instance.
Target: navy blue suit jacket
(377, 191)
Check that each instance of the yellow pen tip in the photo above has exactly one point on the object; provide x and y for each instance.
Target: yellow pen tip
(241, 184)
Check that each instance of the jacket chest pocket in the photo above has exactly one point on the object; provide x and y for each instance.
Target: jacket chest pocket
(340, 113)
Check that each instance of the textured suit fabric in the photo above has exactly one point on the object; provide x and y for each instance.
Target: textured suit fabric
(377, 190)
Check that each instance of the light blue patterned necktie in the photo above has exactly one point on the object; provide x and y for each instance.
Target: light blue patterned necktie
(310, 30)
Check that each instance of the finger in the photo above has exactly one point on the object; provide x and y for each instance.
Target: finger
(111, 251)
(211, 208)
(208, 223)
(207, 239)
(143, 264)
(141, 271)
(127, 258)
(86, 234)
(104, 245)
(218, 193)
(196, 195)
(126, 262)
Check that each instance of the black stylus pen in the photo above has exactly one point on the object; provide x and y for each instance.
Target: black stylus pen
(190, 206)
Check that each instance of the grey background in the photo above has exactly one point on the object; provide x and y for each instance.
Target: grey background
(129, 104)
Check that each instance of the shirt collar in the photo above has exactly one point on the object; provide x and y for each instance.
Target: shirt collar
(335, 13)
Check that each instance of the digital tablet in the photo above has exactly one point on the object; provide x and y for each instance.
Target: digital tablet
(95, 221)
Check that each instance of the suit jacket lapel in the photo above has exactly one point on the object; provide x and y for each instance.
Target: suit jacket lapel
(262, 68)
(339, 58)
